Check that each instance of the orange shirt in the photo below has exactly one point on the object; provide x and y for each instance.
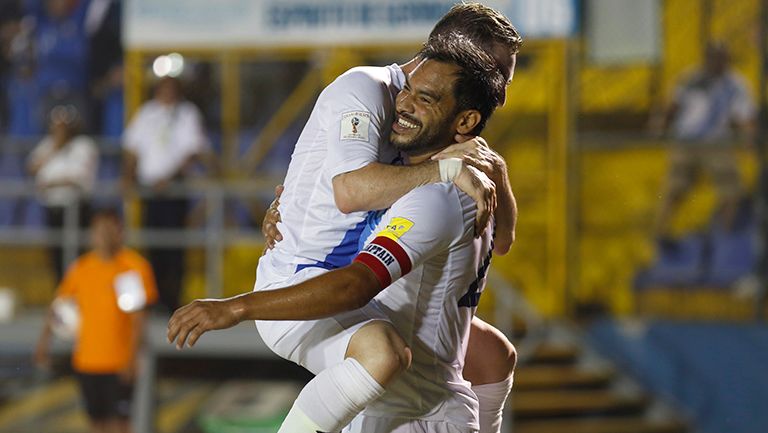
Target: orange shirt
(106, 335)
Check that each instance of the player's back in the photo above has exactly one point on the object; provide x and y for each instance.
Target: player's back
(432, 306)
(348, 128)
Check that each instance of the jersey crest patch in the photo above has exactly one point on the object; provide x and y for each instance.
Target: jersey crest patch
(354, 125)
(396, 227)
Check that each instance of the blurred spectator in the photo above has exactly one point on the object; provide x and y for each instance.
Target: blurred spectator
(64, 165)
(706, 109)
(110, 286)
(10, 19)
(161, 143)
(103, 26)
(62, 52)
(25, 117)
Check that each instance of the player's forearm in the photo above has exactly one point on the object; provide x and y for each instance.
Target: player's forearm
(377, 186)
(323, 296)
(506, 215)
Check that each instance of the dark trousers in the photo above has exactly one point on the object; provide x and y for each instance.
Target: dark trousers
(54, 219)
(167, 263)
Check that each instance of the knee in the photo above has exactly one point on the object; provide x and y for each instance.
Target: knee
(512, 358)
(381, 351)
(491, 357)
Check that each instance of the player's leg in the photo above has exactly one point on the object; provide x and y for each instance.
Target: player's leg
(375, 354)
(489, 365)
(99, 399)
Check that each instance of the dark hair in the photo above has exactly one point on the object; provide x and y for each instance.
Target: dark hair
(479, 83)
(108, 212)
(484, 26)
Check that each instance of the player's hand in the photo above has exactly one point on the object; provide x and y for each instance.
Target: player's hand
(269, 226)
(482, 189)
(191, 321)
(475, 151)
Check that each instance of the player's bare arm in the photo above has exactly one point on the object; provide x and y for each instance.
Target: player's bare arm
(331, 293)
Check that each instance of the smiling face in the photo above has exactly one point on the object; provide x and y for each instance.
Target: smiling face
(426, 109)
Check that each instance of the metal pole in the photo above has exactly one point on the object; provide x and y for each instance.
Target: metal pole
(71, 234)
(142, 412)
(214, 244)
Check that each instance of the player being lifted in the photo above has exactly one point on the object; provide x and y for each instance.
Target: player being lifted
(336, 163)
(425, 255)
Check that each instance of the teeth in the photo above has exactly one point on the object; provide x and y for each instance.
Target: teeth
(406, 124)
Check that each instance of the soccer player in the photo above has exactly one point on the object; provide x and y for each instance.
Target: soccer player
(424, 253)
(342, 162)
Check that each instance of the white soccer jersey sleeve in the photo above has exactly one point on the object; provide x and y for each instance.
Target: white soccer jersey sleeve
(359, 103)
(421, 224)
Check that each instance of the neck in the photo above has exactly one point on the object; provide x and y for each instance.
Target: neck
(421, 157)
(107, 253)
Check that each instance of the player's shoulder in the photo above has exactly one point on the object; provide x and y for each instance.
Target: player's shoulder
(366, 79)
(439, 203)
(133, 258)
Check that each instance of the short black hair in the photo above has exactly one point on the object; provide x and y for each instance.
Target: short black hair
(479, 83)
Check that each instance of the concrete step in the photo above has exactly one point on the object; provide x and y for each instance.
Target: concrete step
(602, 425)
(575, 403)
(540, 377)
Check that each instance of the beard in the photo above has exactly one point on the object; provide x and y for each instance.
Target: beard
(435, 136)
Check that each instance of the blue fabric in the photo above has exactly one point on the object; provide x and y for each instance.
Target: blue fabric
(717, 372)
(682, 265)
(23, 101)
(342, 254)
(62, 52)
(112, 123)
(733, 255)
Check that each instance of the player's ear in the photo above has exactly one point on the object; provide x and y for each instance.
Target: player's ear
(467, 121)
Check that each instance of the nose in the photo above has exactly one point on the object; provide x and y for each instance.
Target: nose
(404, 102)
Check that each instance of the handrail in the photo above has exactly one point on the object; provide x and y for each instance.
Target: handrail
(213, 236)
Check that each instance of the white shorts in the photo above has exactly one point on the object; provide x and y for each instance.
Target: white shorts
(313, 344)
(373, 424)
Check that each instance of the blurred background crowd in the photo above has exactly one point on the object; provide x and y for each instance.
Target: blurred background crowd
(635, 136)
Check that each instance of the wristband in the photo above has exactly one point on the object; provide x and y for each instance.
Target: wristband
(449, 169)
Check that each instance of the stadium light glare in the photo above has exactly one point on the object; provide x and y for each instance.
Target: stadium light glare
(161, 66)
(176, 64)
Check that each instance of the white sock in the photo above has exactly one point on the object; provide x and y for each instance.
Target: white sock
(332, 399)
(492, 397)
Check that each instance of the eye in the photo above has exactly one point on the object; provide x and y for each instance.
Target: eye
(425, 99)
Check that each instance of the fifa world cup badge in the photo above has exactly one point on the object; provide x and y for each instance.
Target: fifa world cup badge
(354, 125)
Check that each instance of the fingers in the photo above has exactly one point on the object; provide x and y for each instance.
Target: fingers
(278, 192)
(184, 321)
(485, 208)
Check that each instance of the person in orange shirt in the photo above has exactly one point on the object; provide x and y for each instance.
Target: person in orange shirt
(111, 286)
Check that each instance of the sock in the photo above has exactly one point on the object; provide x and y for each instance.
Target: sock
(492, 397)
(332, 399)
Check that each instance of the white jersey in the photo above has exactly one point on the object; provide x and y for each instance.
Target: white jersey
(425, 247)
(347, 130)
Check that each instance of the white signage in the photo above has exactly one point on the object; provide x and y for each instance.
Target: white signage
(253, 23)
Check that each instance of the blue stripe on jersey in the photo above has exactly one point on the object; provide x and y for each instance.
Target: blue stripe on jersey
(342, 254)
(373, 220)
